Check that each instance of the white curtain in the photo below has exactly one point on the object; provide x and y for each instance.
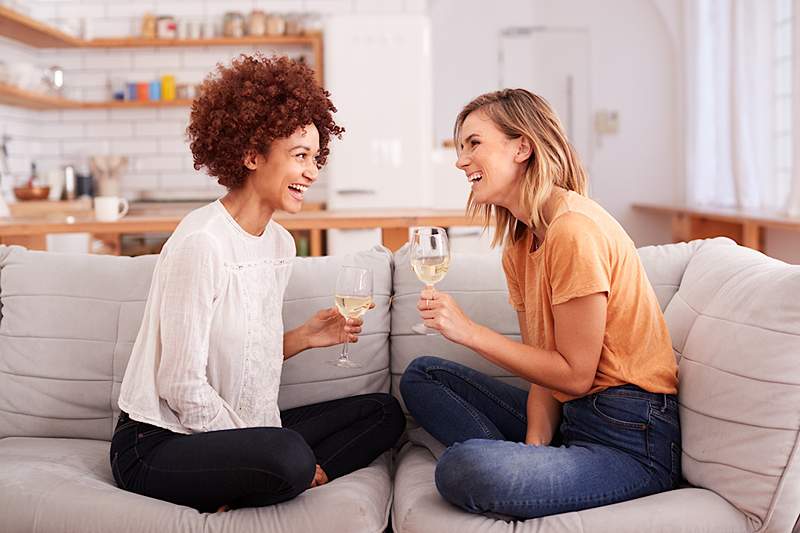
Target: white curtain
(728, 57)
(793, 204)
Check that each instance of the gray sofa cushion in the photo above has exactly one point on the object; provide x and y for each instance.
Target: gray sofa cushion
(478, 284)
(68, 325)
(735, 321)
(418, 508)
(65, 486)
(69, 321)
(307, 378)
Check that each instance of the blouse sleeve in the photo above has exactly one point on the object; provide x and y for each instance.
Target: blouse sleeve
(189, 276)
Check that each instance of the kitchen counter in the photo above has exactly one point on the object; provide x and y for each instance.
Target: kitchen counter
(31, 231)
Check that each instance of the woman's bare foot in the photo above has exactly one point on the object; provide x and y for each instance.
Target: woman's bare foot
(320, 477)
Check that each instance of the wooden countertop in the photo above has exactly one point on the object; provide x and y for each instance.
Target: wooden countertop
(761, 217)
(745, 226)
(166, 219)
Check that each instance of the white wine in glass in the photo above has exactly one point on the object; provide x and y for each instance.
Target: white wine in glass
(353, 298)
(430, 258)
(353, 306)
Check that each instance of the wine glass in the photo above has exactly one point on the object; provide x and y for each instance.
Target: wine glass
(430, 258)
(353, 299)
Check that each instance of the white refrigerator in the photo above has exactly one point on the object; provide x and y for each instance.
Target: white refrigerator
(378, 69)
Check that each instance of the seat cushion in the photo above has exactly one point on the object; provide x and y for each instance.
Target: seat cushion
(418, 508)
(65, 485)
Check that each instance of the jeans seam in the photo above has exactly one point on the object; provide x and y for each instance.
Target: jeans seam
(471, 411)
(488, 393)
(115, 470)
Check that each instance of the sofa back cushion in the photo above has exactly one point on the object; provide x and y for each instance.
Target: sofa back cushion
(478, 284)
(735, 325)
(307, 377)
(68, 323)
(67, 328)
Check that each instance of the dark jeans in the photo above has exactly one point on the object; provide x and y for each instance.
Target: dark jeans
(615, 445)
(255, 466)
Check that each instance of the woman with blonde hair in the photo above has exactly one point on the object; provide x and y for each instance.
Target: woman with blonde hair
(599, 423)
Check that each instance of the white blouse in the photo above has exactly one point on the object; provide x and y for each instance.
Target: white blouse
(209, 352)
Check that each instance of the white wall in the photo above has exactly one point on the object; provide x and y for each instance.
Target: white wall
(633, 71)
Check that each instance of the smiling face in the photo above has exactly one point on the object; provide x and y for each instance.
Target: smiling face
(282, 177)
(493, 163)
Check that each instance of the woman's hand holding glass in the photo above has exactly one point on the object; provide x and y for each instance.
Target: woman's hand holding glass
(353, 298)
(430, 259)
(328, 328)
(441, 313)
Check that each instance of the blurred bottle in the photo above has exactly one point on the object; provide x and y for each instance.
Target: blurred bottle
(168, 87)
(69, 182)
(33, 179)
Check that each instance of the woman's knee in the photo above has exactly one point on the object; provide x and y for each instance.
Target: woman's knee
(416, 373)
(458, 469)
(288, 456)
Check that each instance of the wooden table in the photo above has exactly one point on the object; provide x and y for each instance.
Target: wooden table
(745, 226)
(31, 231)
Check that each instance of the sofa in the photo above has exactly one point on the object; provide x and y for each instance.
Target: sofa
(68, 322)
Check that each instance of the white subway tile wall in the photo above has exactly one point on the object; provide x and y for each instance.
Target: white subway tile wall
(153, 139)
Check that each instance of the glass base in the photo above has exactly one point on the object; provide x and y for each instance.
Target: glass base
(422, 329)
(345, 363)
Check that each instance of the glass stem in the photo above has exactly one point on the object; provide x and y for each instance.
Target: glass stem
(344, 355)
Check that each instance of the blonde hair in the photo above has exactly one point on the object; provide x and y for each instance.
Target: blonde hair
(553, 162)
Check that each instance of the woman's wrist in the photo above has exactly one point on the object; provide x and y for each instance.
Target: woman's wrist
(474, 334)
(296, 341)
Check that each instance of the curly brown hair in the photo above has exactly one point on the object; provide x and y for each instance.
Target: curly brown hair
(243, 107)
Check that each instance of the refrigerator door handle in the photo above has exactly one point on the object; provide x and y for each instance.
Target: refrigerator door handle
(355, 191)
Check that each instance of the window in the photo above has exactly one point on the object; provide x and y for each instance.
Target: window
(782, 92)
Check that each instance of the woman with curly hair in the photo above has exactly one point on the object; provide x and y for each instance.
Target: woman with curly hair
(199, 422)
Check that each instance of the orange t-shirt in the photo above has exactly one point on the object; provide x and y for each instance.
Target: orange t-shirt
(585, 251)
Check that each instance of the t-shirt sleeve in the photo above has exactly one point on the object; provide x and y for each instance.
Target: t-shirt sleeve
(515, 296)
(577, 257)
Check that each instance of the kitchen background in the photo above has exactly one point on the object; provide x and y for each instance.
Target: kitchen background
(399, 71)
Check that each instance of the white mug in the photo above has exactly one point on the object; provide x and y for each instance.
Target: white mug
(110, 208)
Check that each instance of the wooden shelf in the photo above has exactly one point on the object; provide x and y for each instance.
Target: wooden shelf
(26, 30)
(14, 96)
(116, 104)
(138, 42)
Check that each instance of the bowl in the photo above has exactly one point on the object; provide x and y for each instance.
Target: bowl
(31, 193)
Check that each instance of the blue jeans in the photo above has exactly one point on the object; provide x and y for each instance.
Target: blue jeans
(615, 445)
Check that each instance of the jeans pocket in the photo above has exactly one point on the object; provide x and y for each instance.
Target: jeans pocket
(626, 412)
